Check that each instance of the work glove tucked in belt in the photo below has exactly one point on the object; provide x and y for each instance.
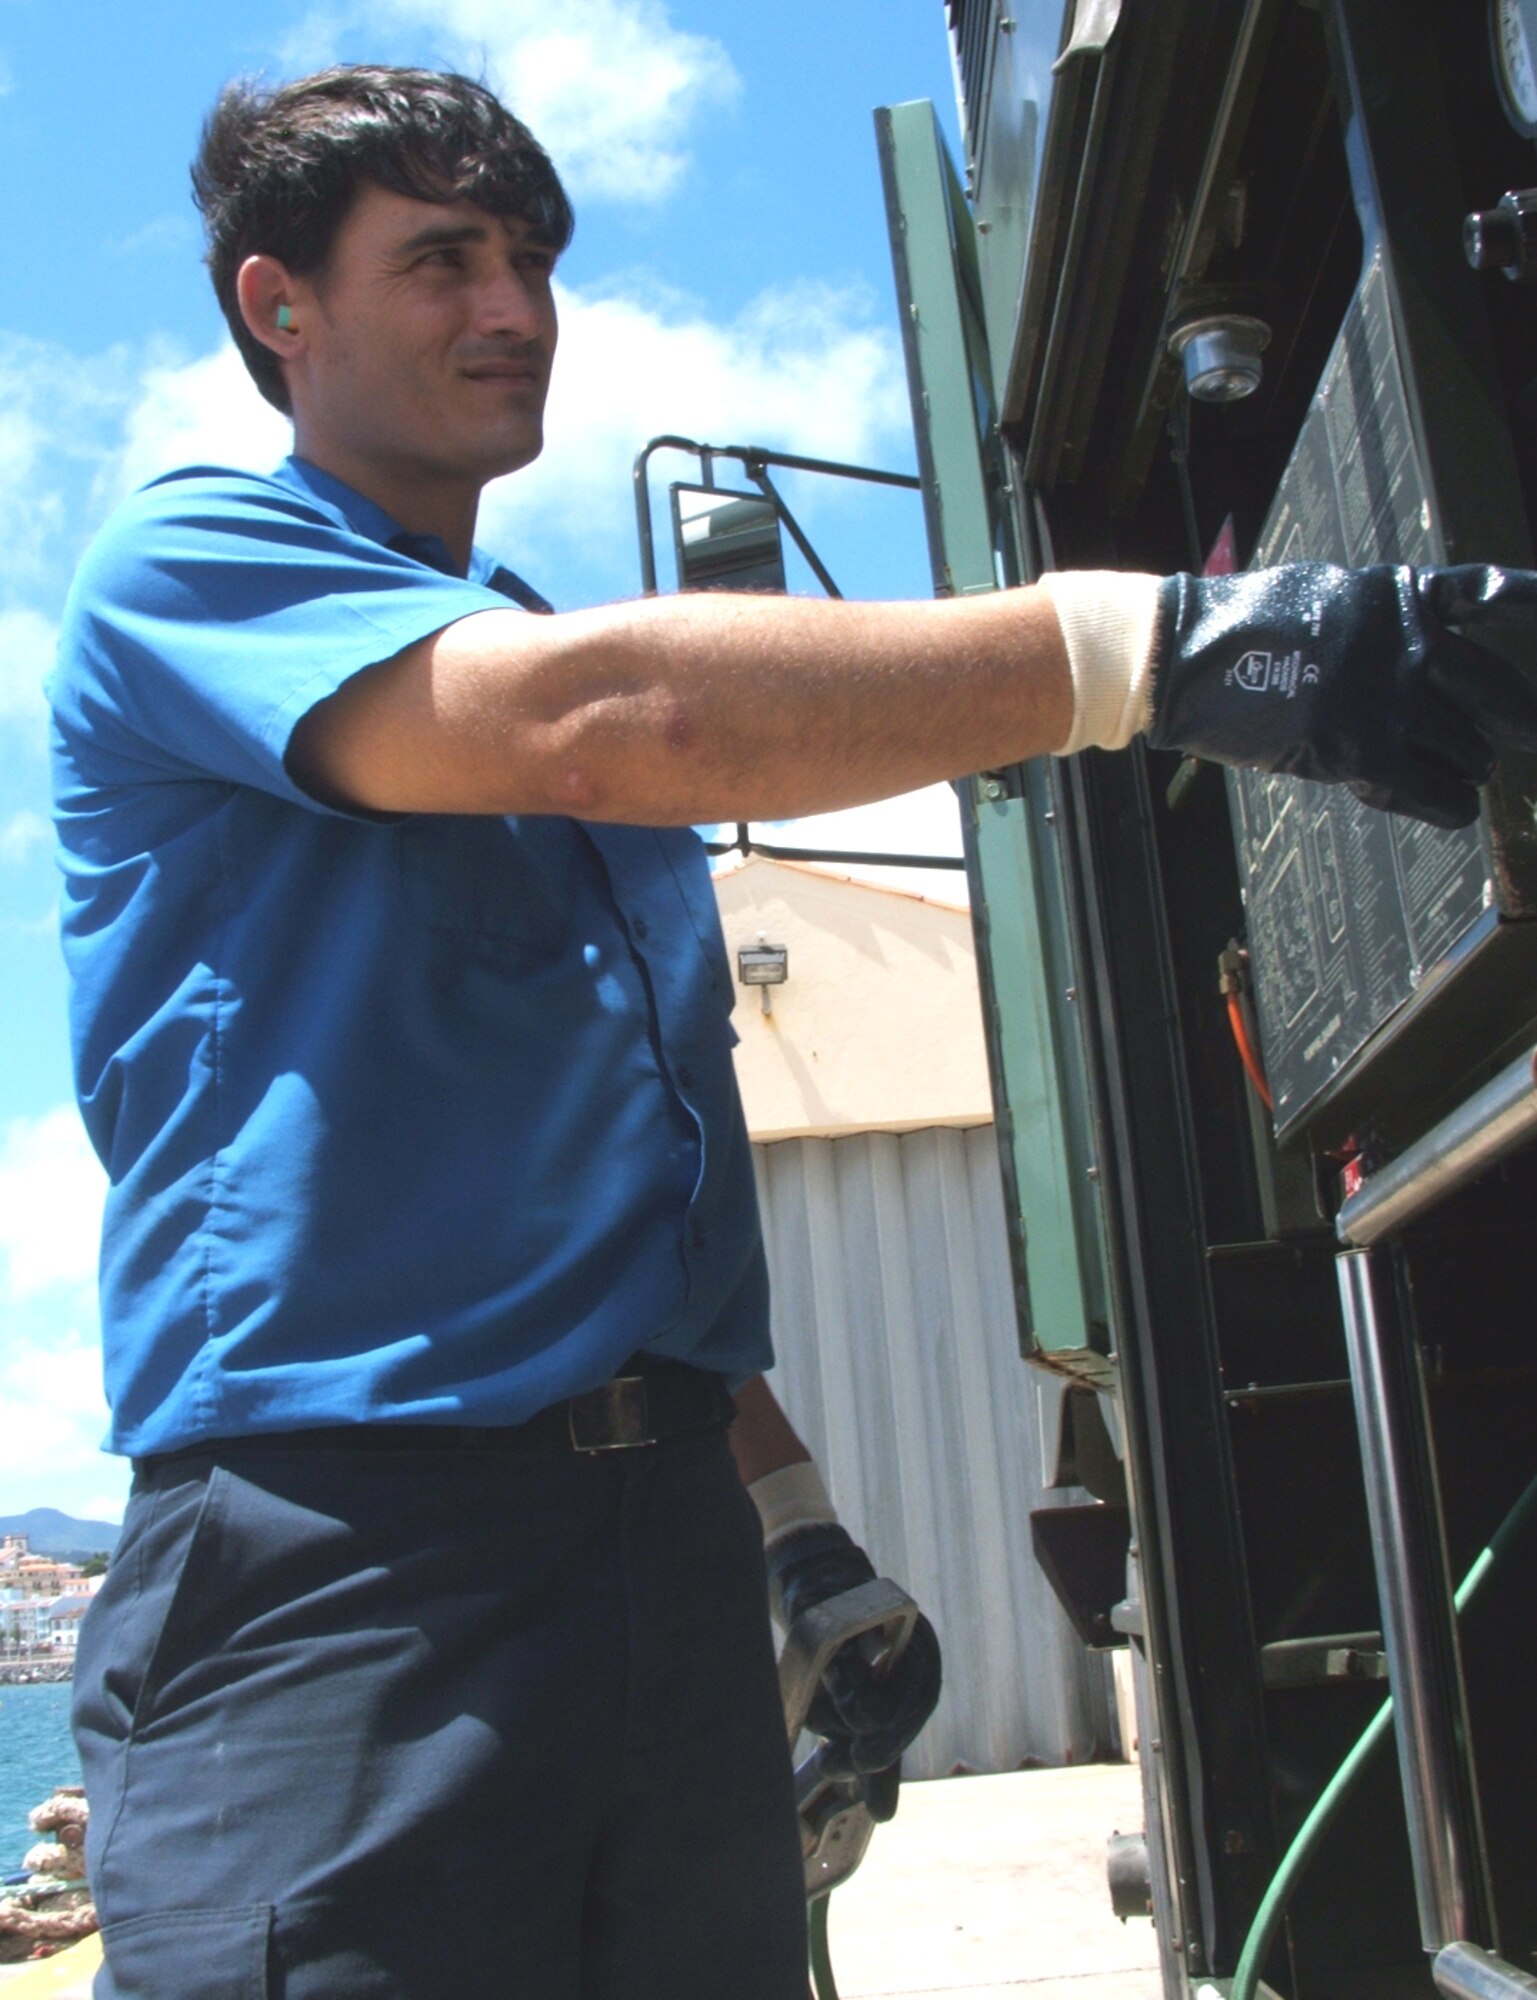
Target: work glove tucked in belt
(870, 1713)
(1371, 678)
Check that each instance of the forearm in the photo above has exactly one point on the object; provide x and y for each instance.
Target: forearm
(763, 1440)
(681, 710)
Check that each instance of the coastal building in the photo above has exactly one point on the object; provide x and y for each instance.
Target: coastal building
(33, 1626)
(34, 1575)
(62, 1619)
(21, 1623)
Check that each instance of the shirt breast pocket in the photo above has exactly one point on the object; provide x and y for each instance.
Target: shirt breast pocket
(470, 878)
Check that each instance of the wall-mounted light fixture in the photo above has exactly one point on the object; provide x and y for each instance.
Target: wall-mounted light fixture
(1220, 355)
(763, 965)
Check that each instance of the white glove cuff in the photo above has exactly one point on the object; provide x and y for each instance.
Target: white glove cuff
(791, 1498)
(1107, 619)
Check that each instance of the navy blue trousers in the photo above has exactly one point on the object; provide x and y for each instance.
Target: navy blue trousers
(419, 1723)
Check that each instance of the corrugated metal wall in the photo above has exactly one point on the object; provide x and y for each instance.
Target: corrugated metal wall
(899, 1364)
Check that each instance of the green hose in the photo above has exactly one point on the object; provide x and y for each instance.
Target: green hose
(1268, 1917)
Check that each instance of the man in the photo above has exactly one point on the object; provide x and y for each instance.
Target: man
(435, 1651)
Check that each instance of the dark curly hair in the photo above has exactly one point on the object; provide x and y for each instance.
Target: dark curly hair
(278, 170)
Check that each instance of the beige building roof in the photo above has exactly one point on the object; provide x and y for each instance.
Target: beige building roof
(876, 1029)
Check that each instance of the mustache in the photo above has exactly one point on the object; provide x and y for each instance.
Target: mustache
(519, 351)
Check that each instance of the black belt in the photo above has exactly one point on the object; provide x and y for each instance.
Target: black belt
(648, 1402)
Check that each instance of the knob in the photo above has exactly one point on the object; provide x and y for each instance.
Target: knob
(1504, 238)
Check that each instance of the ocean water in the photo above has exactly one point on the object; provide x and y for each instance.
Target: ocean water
(37, 1752)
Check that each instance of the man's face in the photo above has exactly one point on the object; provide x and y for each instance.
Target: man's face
(428, 340)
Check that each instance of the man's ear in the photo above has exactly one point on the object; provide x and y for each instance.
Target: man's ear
(268, 300)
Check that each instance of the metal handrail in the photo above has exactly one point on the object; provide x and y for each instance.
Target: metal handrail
(1466, 1972)
(752, 458)
(1493, 1122)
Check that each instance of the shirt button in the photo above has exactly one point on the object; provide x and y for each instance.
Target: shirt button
(685, 1076)
(640, 927)
(698, 1235)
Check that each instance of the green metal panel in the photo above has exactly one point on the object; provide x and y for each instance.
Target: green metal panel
(933, 247)
(1017, 892)
(1042, 1109)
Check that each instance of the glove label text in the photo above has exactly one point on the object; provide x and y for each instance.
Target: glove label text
(1270, 673)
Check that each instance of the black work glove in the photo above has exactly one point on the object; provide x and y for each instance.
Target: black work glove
(1369, 678)
(873, 1715)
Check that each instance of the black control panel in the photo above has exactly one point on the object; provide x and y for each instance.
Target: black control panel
(1349, 911)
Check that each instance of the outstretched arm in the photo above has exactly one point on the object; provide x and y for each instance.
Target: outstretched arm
(682, 710)
(678, 710)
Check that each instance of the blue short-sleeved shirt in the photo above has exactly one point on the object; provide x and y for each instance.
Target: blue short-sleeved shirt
(429, 1120)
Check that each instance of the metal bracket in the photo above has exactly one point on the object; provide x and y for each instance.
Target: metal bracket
(1338, 1656)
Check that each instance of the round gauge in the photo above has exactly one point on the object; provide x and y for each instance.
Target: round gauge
(1513, 27)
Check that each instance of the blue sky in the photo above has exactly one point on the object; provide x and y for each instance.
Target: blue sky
(729, 280)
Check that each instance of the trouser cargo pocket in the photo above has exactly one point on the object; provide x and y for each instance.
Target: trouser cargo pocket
(187, 1955)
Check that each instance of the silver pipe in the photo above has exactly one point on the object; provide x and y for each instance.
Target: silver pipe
(1418, 1626)
(1493, 1122)
(1464, 1972)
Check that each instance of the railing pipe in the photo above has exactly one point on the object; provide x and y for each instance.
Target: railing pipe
(1493, 1122)
(1415, 1593)
(1466, 1972)
(752, 458)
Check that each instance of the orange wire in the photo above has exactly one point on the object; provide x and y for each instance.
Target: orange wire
(1246, 1051)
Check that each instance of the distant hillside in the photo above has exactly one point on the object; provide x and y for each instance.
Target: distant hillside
(50, 1533)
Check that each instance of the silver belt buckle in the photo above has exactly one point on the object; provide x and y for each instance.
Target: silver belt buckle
(615, 1417)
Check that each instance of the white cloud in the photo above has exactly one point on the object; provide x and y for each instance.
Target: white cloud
(51, 1192)
(610, 88)
(53, 1416)
(59, 414)
(44, 925)
(21, 836)
(165, 232)
(190, 413)
(52, 1409)
(923, 822)
(316, 39)
(31, 504)
(78, 432)
(801, 368)
(27, 643)
(609, 91)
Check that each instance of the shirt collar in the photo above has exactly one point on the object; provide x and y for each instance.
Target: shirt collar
(366, 517)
